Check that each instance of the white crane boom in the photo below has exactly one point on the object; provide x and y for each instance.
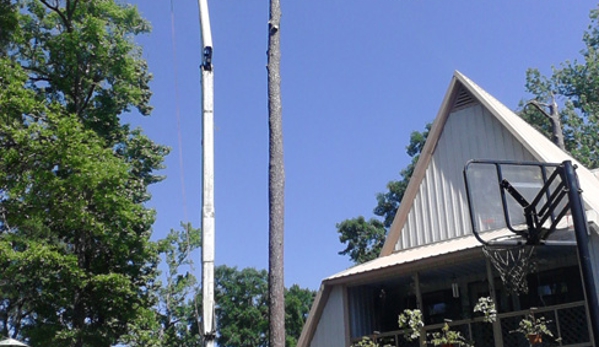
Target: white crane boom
(208, 305)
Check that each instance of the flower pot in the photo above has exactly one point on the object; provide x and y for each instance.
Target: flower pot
(535, 338)
(447, 345)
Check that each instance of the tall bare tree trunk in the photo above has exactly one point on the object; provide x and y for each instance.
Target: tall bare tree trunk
(554, 118)
(276, 182)
(556, 124)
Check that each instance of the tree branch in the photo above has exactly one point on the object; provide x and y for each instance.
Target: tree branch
(71, 6)
(90, 93)
(539, 106)
(554, 118)
(42, 76)
(57, 10)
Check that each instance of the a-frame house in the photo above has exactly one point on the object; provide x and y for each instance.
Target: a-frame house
(431, 259)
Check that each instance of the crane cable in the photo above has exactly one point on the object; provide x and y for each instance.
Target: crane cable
(187, 225)
(178, 113)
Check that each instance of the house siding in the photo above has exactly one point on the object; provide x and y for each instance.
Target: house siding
(331, 331)
(361, 309)
(440, 208)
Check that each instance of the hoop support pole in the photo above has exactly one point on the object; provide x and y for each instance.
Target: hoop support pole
(582, 242)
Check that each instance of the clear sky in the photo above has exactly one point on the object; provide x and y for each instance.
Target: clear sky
(358, 76)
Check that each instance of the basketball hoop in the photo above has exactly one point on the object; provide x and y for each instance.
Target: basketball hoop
(538, 195)
(528, 199)
(513, 261)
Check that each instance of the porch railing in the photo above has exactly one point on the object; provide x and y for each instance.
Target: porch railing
(568, 322)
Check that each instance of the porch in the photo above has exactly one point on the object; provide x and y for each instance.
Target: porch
(446, 288)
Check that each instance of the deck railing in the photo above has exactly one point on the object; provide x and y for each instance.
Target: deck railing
(569, 322)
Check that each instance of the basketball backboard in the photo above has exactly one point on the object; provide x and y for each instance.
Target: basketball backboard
(532, 198)
(529, 199)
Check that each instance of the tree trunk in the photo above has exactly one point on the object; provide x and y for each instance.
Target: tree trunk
(556, 124)
(276, 182)
(557, 135)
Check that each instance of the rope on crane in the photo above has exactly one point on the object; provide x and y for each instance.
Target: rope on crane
(182, 176)
(178, 113)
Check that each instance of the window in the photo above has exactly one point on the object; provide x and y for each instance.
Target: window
(555, 287)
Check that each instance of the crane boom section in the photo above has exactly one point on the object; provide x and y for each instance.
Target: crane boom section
(208, 220)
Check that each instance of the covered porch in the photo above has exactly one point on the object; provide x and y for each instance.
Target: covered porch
(446, 287)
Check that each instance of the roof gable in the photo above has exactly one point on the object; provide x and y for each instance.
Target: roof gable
(471, 124)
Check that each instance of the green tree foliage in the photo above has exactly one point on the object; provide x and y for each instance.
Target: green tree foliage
(241, 296)
(75, 246)
(574, 84)
(364, 239)
(78, 265)
(81, 54)
(8, 23)
(242, 314)
(388, 203)
(174, 319)
(298, 302)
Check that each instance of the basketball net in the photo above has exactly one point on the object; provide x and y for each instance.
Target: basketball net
(513, 263)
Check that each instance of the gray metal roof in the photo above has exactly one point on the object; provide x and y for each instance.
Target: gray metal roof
(418, 253)
(12, 342)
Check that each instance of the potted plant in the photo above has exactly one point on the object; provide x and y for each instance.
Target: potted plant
(486, 306)
(448, 338)
(411, 322)
(534, 328)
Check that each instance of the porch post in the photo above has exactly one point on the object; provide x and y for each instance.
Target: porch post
(419, 301)
(497, 333)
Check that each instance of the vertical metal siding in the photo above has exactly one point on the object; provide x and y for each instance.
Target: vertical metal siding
(330, 331)
(361, 310)
(440, 209)
(447, 216)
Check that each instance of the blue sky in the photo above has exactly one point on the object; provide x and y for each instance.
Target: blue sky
(357, 78)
